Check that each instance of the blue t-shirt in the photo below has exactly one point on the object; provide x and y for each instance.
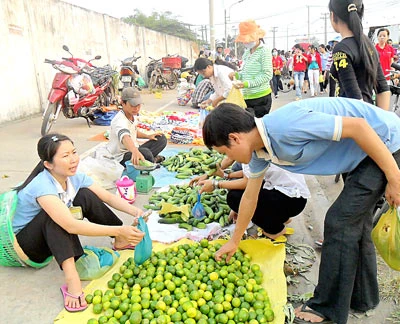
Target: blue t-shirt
(305, 136)
(42, 185)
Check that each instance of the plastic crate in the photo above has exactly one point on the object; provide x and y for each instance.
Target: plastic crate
(171, 62)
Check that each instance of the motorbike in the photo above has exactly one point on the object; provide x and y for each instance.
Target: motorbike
(129, 72)
(150, 67)
(160, 75)
(78, 90)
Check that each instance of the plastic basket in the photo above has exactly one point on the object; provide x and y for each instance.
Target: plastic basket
(11, 254)
(171, 62)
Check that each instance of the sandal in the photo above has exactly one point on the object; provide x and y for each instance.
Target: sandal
(306, 309)
(64, 291)
(159, 159)
(126, 247)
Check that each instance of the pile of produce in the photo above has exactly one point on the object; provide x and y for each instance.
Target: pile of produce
(196, 161)
(214, 204)
(184, 284)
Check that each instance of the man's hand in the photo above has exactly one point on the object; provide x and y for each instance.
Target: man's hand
(153, 137)
(228, 248)
(206, 103)
(136, 157)
(392, 192)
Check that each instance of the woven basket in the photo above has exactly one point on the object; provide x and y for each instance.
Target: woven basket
(11, 254)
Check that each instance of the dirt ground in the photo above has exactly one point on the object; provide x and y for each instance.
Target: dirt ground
(308, 228)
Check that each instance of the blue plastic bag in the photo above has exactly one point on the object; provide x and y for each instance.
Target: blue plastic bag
(104, 118)
(144, 249)
(95, 262)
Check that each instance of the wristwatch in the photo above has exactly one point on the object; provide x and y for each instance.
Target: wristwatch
(226, 174)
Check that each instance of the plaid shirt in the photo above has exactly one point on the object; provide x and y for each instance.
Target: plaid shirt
(201, 90)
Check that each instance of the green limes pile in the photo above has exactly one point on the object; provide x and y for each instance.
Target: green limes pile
(184, 284)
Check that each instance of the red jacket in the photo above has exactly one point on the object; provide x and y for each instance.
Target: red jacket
(277, 63)
(318, 59)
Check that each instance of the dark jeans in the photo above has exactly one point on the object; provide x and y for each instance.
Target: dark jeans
(275, 83)
(260, 106)
(273, 208)
(42, 237)
(149, 149)
(348, 271)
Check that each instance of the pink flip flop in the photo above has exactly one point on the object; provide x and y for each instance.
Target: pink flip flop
(64, 291)
(126, 247)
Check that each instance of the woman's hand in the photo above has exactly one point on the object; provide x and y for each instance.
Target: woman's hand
(195, 180)
(219, 172)
(232, 75)
(130, 234)
(238, 84)
(206, 186)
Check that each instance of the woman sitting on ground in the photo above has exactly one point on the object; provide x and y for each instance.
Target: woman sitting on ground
(44, 225)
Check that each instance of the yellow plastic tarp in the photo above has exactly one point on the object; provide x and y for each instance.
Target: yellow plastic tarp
(269, 256)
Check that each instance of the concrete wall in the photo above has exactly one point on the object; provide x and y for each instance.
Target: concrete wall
(32, 30)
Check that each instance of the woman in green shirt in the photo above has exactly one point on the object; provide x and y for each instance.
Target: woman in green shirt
(256, 74)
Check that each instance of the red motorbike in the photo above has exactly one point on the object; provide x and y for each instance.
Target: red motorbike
(78, 90)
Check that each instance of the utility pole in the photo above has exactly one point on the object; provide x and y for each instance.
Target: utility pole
(212, 29)
(325, 16)
(226, 35)
(308, 23)
(273, 33)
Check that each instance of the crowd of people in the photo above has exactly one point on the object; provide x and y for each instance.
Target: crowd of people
(353, 135)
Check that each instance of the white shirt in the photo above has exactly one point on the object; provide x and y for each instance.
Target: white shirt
(220, 81)
(121, 126)
(291, 184)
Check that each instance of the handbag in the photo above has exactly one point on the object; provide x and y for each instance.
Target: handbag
(95, 262)
(145, 247)
(386, 237)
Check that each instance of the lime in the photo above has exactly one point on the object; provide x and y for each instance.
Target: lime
(136, 317)
(92, 321)
(89, 298)
(269, 314)
(96, 299)
(109, 313)
(103, 319)
(176, 317)
(97, 308)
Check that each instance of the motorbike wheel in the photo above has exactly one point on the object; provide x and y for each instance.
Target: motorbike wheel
(172, 81)
(108, 96)
(49, 117)
(153, 82)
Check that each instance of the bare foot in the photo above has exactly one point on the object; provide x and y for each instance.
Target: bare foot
(120, 243)
(274, 236)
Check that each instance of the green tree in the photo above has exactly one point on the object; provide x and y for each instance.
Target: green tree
(164, 22)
